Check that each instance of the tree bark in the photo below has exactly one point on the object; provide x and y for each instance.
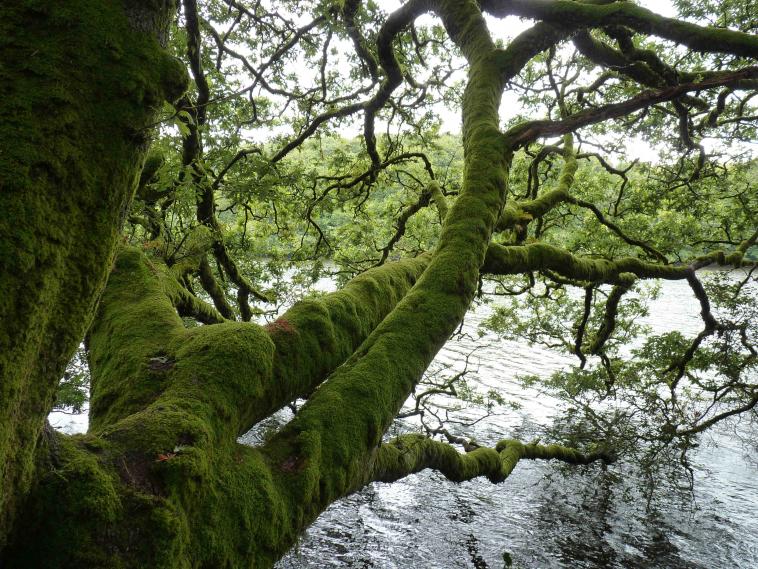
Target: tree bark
(82, 82)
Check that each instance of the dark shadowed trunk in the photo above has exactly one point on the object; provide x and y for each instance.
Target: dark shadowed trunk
(82, 83)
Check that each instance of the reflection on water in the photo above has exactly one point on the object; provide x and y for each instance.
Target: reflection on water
(543, 516)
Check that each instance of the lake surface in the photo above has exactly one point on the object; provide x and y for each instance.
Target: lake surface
(540, 517)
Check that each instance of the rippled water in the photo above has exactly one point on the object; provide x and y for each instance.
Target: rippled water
(581, 517)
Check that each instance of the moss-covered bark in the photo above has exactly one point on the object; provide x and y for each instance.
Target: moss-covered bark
(591, 13)
(329, 448)
(412, 453)
(160, 481)
(168, 402)
(516, 259)
(82, 81)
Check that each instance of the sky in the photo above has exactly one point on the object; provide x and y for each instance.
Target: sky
(508, 28)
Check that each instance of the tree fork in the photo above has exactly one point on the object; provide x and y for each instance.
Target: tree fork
(168, 403)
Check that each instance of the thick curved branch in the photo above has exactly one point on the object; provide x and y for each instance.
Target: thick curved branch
(267, 366)
(601, 14)
(327, 445)
(315, 336)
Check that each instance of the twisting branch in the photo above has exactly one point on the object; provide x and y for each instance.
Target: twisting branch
(402, 220)
(589, 293)
(625, 282)
(206, 206)
(602, 14)
(525, 133)
(413, 453)
(705, 425)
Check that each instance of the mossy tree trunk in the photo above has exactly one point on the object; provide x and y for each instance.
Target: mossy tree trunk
(82, 82)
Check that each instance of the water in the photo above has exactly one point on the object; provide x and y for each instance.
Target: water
(545, 516)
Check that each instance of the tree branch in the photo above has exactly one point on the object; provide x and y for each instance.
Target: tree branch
(413, 453)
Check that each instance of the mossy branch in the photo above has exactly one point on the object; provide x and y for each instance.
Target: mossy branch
(135, 320)
(439, 200)
(211, 285)
(515, 259)
(413, 453)
(603, 13)
(518, 215)
(138, 343)
(338, 429)
(317, 335)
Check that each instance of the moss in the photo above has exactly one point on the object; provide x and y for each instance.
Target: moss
(226, 368)
(343, 421)
(129, 347)
(414, 452)
(507, 260)
(81, 87)
(439, 199)
(317, 335)
(570, 14)
(74, 500)
(168, 403)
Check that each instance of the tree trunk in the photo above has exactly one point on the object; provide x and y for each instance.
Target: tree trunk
(82, 82)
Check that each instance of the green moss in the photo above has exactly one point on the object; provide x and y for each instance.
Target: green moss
(81, 87)
(506, 260)
(317, 335)
(414, 452)
(168, 403)
(343, 421)
(570, 14)
(129, 340)
(75, 500)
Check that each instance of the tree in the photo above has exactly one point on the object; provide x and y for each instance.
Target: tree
(183, 234)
